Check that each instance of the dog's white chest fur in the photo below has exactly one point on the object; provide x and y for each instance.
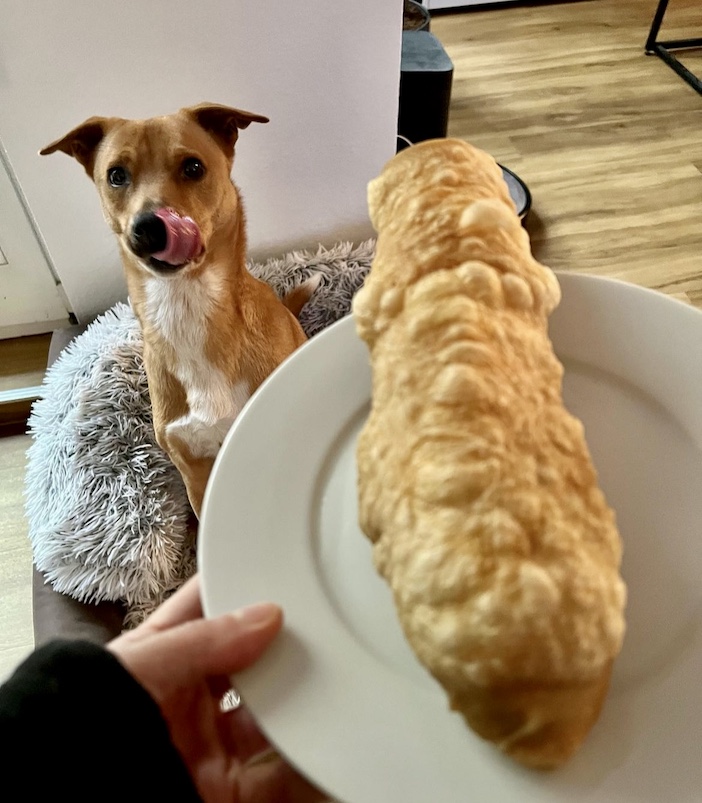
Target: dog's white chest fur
(179, 309)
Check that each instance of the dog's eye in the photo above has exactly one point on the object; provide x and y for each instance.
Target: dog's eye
(192, 168)
(118, 176)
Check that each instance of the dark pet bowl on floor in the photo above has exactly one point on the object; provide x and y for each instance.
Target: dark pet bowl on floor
(416, 17)
(519, 192)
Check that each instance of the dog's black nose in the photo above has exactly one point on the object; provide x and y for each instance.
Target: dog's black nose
(148, 235)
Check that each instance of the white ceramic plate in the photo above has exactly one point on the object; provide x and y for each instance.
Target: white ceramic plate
(340, 692)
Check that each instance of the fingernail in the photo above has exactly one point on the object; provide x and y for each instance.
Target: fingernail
(257, 616)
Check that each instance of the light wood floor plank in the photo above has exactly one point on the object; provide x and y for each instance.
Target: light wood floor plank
(16, 630)
(606, 138)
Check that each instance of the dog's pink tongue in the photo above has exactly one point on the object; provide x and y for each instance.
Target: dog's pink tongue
(183, 241)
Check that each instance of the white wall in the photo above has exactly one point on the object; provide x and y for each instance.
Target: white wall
(30, 301)
(325, 71)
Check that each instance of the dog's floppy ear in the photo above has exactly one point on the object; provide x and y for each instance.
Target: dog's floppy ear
(81, 142)
(223, 122)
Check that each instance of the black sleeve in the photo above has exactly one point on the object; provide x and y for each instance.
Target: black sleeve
(75, 725)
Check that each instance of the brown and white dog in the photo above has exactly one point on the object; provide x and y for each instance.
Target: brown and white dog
(212, 332)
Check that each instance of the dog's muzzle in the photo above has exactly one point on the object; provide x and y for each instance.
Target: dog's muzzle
(169, 239)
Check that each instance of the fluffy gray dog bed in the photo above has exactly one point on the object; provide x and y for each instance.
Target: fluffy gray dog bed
(108, 514)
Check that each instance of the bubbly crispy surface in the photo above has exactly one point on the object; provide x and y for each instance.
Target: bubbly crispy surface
(476, 486)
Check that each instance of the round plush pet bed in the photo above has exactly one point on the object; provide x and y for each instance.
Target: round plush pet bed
(108, 514)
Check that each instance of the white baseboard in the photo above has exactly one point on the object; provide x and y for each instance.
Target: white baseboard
(21, 395)
(38, 328)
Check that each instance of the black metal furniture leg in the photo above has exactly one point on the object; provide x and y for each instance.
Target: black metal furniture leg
(656, 25)
(663, 49)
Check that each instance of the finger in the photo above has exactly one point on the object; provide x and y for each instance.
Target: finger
(276, 780)
(197, 650)
(227, 643)
(183, 606)
(240, 734)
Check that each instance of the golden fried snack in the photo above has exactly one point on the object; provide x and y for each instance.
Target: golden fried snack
(475, 484)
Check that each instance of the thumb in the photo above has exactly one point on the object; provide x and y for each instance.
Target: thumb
(190, 652)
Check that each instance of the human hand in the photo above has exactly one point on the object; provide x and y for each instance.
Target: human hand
(184, 662)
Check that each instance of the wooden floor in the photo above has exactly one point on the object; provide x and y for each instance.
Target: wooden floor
(16, 632)
(607, 139)
(22, 361)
